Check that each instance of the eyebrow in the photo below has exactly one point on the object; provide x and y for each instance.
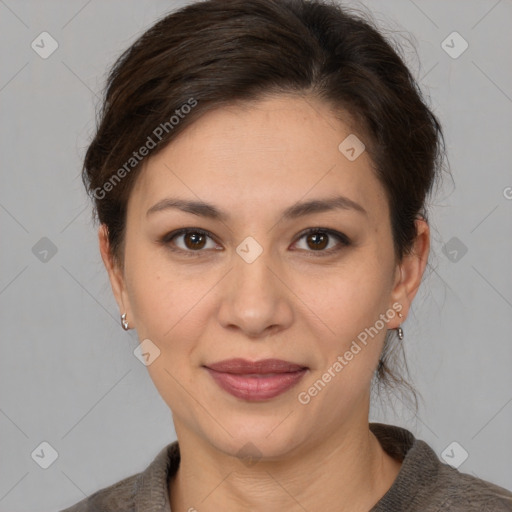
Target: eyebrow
(210, 211)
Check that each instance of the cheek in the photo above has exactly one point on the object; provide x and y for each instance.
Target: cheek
(350, 305)
(157, 292)
(345, 299)
(164, 304)
(167, 306)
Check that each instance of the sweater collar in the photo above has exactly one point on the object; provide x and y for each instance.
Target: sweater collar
(419, 466)
(151, 487)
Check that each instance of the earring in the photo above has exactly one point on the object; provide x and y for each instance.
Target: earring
(124, 323)
(399, 330)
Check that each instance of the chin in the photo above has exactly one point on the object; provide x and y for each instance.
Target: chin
(257, 438)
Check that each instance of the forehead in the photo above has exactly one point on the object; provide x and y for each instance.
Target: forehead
(253, 156)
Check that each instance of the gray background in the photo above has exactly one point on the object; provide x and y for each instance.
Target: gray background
(68, 373)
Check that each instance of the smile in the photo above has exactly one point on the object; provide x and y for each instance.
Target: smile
(256, 381)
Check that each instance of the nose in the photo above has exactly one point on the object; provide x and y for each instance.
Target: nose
(255, 299)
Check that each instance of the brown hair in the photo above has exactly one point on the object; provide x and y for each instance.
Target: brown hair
(216, 52)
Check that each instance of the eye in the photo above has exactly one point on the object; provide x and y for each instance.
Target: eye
(192, 240)
(319, 238)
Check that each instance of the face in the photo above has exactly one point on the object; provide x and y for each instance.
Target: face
(250, 281)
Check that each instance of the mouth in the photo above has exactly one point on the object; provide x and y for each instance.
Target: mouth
(258, 380)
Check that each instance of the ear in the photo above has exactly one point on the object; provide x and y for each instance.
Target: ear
(115, 273)
(410, 272)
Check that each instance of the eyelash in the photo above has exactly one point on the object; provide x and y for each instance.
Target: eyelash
(343, 239)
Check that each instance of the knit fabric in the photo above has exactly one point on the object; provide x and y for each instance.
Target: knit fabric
(424, 483)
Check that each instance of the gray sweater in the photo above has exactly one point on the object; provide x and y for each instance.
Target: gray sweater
(424, 483)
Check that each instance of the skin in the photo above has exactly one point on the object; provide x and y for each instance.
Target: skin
(293, 303)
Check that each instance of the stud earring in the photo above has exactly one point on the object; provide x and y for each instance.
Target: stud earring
(124, 323)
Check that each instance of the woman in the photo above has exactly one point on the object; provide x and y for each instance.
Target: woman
(260, 174)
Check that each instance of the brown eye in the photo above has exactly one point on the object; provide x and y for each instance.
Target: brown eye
(318, 240)
(323, 241)
(188, 240)
(194, 240)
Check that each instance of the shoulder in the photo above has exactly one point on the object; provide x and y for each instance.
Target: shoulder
(426, 484)
(147, 490)
(463, 492)
(118, 496)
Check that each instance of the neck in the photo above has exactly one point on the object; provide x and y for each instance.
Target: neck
(347, 471)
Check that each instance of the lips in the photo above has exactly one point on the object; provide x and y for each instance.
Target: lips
(244, 367)
(258, 380)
